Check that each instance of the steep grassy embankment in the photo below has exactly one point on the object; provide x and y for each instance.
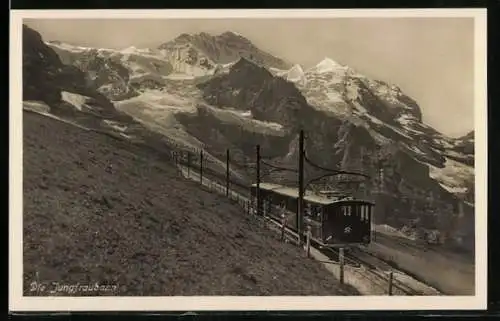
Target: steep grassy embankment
(97, 209)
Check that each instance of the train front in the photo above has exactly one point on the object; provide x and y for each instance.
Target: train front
(347, 222)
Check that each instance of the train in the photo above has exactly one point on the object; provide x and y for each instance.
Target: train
(334, 221)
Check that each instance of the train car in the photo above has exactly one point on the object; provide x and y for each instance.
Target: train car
(333, 221)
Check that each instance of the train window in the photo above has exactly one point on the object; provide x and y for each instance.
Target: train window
(349, 209)
(317, 212)
(362, 212)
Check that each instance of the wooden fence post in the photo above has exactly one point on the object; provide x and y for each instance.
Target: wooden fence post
(308, 240)
(390, 282)
(283, 226)
(341, 261)
(201, 167)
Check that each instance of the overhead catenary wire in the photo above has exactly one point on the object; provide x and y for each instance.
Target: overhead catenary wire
(333, 171)
(217, 185)
(279, 167)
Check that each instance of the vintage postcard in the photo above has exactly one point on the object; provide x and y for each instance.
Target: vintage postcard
(195, 160)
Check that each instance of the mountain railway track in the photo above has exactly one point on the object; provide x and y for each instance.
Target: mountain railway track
(373, 268)
(372, 271)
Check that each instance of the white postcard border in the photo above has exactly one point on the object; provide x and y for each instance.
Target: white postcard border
(200, 303)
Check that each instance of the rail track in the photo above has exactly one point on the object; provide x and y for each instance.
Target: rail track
(378, 268)
(374, 269)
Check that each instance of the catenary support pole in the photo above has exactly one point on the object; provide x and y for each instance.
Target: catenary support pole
(308, 241)
(341, 261)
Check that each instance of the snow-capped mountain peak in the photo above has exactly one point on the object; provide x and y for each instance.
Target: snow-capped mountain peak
(135, 50)
(69, 47)
(233, 34)
(328, 65)
(295, 73)
(130, 49)
(221, 49)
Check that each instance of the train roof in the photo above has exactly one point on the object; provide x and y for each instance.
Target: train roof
(314, 198)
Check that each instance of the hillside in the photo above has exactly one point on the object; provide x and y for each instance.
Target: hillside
(108, 212)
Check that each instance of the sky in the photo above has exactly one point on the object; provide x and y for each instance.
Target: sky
(430, 59)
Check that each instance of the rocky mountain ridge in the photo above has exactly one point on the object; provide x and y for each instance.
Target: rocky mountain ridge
(207, 51)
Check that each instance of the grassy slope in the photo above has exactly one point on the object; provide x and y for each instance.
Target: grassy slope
(450, 273)
(100, 210)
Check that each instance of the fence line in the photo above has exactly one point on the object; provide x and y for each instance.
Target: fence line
(193, 162)
(274, 212)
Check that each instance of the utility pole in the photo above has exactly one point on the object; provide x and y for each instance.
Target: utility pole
(341, 265)
(300, 205)
(257, 190)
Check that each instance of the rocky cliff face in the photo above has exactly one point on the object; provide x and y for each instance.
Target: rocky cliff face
(107, 76)
(462, 149)
(47, 79)
(117, 74)
(200, 52)
(251, 87)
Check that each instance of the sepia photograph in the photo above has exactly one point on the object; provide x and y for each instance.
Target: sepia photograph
(190, 160)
